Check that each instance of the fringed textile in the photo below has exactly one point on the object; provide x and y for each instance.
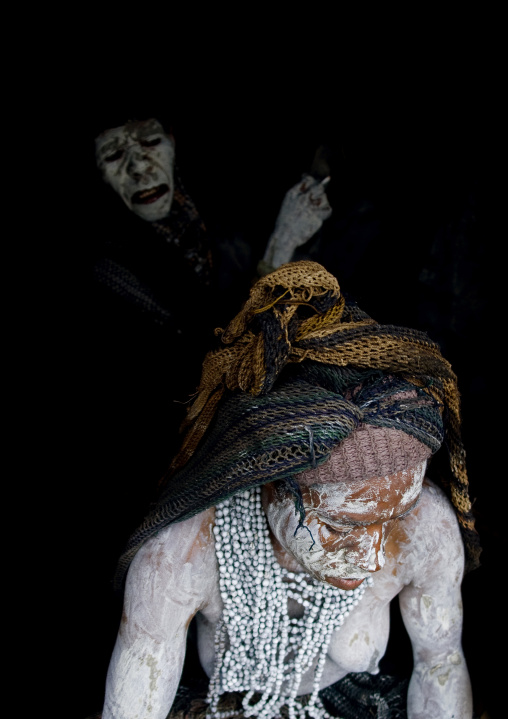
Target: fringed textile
(250, 421)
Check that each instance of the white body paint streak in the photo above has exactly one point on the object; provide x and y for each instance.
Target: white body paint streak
(176, 575)
(173, 575)
(431, 607)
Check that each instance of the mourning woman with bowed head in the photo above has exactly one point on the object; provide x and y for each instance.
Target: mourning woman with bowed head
(164, 275)
(301, 503)
(172, 252)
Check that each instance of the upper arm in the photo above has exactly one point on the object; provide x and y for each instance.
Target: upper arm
(431, 607)
(168, 582)
(431, 604)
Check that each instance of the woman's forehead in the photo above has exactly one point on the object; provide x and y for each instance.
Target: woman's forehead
(131, 131)
(378, 496)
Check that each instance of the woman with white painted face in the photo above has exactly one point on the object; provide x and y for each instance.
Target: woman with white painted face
(162, 276)
(160, 248)
(297, 509)
(137, 160)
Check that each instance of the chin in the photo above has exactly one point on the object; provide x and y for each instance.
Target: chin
(154, 211)
(341, 583)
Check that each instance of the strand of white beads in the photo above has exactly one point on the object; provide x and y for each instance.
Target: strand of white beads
(259, 649)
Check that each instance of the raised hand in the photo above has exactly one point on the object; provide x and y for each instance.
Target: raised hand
(304, 209)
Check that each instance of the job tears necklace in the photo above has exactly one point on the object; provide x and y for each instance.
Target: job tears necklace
(259, 649)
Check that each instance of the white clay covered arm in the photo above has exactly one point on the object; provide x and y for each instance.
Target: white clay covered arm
(166, 586)
(431, 608)
(304, 209)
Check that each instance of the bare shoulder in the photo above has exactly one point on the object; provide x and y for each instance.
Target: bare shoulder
(170, 580)
(428, 540)
(431, 601)
(186, 540)
(178, 562)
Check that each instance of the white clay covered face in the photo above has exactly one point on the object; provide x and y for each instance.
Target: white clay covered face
(137, 160)
(349, 522)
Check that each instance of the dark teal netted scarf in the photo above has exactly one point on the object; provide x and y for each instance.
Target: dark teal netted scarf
(254, 440)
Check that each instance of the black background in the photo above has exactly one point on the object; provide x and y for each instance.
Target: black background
(412, 138)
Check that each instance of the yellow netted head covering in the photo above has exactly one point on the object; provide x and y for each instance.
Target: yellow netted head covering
(297, 313)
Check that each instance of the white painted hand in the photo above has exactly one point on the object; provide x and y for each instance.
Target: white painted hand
(304, 209)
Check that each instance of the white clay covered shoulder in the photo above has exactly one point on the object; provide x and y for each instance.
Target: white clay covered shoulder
(172, 577)
(429, 539)
(178, 563)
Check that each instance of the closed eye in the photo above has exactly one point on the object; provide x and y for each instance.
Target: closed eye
(338, 530)
(151, 142)
(114, 156)
(348, 526)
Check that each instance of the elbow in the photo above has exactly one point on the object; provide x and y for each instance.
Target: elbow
(440, 688)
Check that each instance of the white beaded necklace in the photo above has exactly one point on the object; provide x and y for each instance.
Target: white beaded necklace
(259, 649)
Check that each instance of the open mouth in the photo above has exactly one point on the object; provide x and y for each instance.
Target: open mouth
(152, 194)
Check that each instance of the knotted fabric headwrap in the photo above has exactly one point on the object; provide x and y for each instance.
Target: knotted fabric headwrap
(249, 425)
(262, 339)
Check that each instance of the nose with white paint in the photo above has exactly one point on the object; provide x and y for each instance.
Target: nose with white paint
(137, 164)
